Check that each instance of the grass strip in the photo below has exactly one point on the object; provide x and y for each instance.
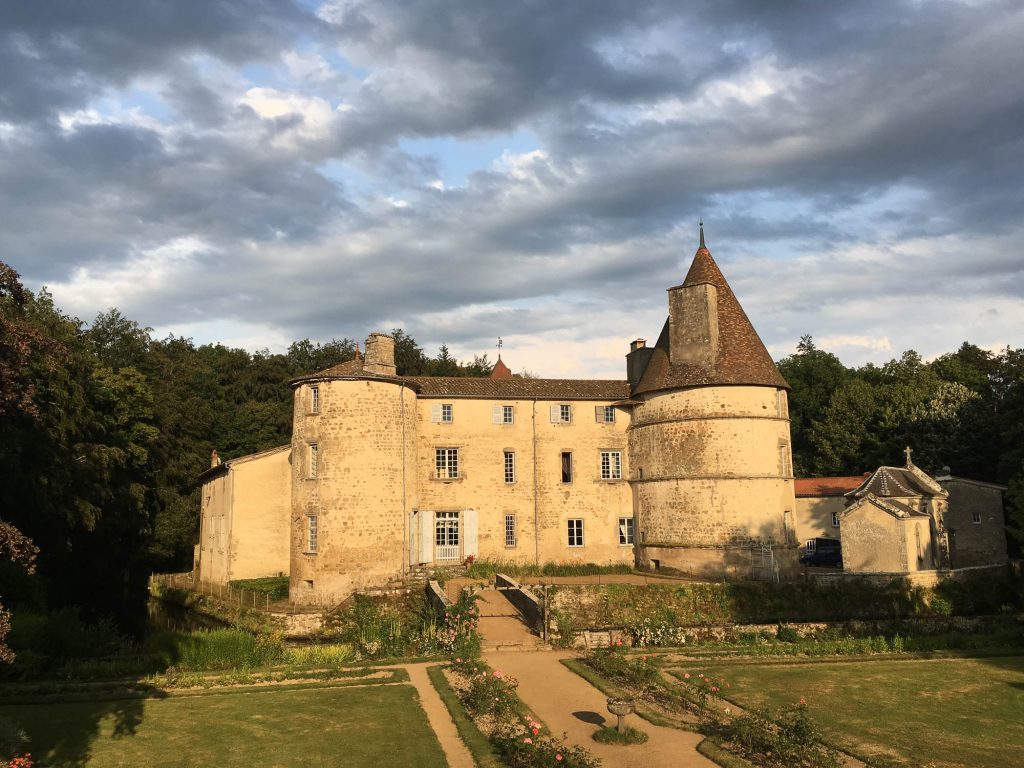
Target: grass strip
(609, 688)
(198, 686)
(476, 742)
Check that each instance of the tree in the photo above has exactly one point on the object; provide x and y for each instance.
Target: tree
(444, 364)
(814, 375)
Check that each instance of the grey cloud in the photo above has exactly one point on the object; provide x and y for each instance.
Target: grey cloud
(56, 55)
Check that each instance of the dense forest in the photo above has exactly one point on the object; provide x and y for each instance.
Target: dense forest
(104, 431)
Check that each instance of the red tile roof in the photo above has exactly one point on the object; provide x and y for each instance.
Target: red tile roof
(826, 486)
(742, 357)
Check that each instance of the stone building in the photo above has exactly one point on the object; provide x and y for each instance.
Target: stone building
(901, 519)
(244, 510)
(685, 464)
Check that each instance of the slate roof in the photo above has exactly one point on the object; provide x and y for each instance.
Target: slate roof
(885, 482)
(893, 507)
(520, 388)
(513, 388)
(807, 487)
(742, 357)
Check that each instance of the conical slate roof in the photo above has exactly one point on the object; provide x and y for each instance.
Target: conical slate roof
(741, 356)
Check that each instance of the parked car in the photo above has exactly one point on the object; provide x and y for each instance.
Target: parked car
(822, 551)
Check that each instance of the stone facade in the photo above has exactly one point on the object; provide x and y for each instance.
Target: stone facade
(685, 465)
(244, 512)
(900, 520)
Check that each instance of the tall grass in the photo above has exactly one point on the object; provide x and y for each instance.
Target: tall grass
(216, 649)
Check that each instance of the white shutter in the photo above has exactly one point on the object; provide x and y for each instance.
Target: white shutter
(426, 536)
(497, 415)
(469, 537)
(435, 413)
(556, 414)
(599, 414)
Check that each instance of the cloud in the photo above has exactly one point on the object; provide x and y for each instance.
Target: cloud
(858, 168)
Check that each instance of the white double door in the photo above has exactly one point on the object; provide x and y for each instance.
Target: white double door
(447, 537)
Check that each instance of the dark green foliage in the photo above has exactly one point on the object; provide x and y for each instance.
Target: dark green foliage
(629, 735)
(275, 587)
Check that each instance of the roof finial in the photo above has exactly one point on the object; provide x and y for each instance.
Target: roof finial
(907, 452)
(702, 232)
(499, 347)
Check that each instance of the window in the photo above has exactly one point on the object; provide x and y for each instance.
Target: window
(510, 467)
(446, 463)
(604, 414)
(576, 532)
(781, 408)
(561, 414)
(835, 519)
(503, 414)
(441, 413)
(785, 469)
(566, 466)
(314, 399)
(311, 533)
(625, 531)
(611, 465)
(314, 459)
(510, 530)
(976, 518)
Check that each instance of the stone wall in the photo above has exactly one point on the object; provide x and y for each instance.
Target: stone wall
(711, 469)
(975, 543)
(539, 501)
(362, 490)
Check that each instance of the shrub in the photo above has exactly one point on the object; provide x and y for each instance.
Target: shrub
(609, 735)
(524, 749)
(791, 740)
(491, 693)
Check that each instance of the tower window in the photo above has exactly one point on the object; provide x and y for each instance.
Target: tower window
(510, 466)
(314, 399)
(566, 466)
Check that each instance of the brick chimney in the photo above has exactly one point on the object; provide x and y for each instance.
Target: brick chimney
(380, 355)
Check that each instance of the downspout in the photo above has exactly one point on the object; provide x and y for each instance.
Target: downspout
(536, 513)
(405, 515)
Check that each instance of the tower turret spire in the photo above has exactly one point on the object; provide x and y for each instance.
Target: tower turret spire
(702, 234)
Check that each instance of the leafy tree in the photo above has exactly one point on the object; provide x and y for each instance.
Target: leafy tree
(814, 375)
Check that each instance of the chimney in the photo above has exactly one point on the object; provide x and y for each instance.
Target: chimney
(693, 325)
(380, 355)
(214, 458)
(636, 361)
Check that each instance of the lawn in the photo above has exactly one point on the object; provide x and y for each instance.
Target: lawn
(934, 713)
(372, 726)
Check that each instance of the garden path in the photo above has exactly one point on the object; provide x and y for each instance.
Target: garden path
(569, 704)
(455, 751)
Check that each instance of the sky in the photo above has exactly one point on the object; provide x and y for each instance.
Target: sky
(254, 172)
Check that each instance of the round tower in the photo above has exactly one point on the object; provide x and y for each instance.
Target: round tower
(709, 440)
(353, 458)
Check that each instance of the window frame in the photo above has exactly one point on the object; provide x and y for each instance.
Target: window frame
(511, 540)
(608, 472)
(575, 535)
(312, 533)
(509, 467)
(627, 537)
(314, 398)
(566, 467)
(313, 461)
(446, 464)
(976, 518)
(835, 519)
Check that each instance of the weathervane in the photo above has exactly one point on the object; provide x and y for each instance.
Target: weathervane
(499, 347)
